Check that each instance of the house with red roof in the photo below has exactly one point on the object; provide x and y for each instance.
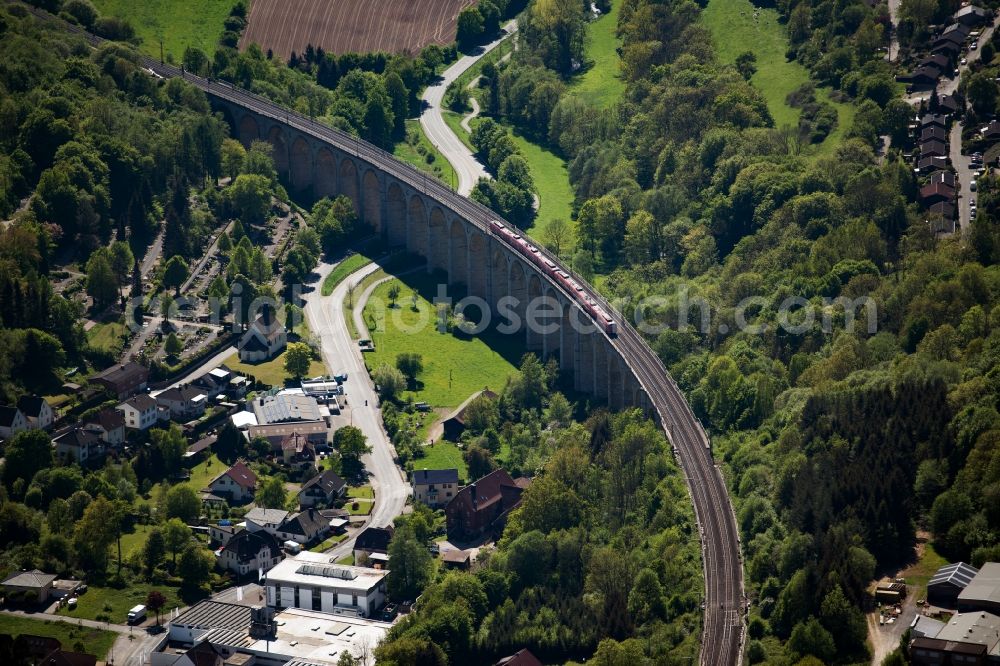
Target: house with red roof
(237, 484)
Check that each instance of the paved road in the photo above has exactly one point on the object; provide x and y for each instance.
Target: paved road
(467, 167)
(210, 364)
(963, 174)
(894, 6)
(325, 315)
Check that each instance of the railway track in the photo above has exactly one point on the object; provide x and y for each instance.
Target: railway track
(723, 627)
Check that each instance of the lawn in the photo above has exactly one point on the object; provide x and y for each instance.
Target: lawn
(179, 23)
(736, 31)
(342, 270)
(601, 84)
(423, 155)
(329, 543)
(132, 542)
(917, 575)
(442, 455)
(106, 337)
(364, 507)
(454, 121)
(271, 372)
(94, 641)
(115, 603)
(555, 195)
(365, 492)
(454, 366)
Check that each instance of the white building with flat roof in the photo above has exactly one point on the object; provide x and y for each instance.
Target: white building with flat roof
(313, 581)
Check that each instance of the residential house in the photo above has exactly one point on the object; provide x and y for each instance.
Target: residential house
(933, 193)
(315, 431)
(37, 411)
(520, 658)
(264, 339)
(45, 651)
(237, 484)
(12, 421)
(933, 132)
(297, 449)
(933, 120)
(949, 104)
(124, 380)
(956, 33)
(482, 507)
(208, 385)
(372, 545)
(139, 411)
(946, 177)
(78, 445)
(947, 48)
(921, 77)
(971, 16)
(222, 532)
(108, 425)
(184, 402)
(938, 62)
(315, 582)
(942, 217)
(932, 163)
(196, 452)
(435, 487)
(933, 148)
(202, 654)
(322, 490)
(967, 638)
(304, 527)
(247, 552)
(35, 584)
(992, 131)
(455, 558)
(259, 519)
(948, 582)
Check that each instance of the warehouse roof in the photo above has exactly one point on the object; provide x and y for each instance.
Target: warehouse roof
(984, 586)
(959, 574)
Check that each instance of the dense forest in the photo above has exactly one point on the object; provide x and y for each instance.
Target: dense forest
(838, 441)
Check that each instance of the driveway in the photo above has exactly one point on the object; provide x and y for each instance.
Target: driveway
(467, 167)
(341, 353)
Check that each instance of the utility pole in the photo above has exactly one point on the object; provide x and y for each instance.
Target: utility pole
(161, 50)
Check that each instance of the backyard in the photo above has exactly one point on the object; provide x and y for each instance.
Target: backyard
(113, 603)
(442, 455)
(270, 372)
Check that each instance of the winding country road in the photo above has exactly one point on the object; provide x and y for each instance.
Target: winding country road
(466, 165)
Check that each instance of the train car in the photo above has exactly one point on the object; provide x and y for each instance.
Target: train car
(549, 267)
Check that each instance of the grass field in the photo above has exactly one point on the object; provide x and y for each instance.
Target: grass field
(342, 270)
(438, 166)
(454, 121)
(601, 84)
(329, 543)
(106, 337)
(179, 23)
(555, 195)
(365, 492)
(454, 367)
(925, 568)
(271, 372)
(736, 31)
(442, 455)
(115, 602)
(95, 641)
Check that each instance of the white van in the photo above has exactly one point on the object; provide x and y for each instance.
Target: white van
(137, 614)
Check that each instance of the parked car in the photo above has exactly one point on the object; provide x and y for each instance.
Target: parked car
(973, 46)
(972, 186)
(71, 602)
(965, 61)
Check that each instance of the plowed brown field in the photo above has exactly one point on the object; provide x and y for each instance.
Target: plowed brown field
(342, 26)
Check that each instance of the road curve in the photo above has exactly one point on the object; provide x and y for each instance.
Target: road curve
(466, 165)
(723, 628)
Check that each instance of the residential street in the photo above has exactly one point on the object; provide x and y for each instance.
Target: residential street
(341, 354)
(467, 167)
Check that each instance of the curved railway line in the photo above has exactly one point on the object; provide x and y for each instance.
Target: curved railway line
(723, 636)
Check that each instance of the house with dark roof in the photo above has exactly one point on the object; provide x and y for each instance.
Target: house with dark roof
(928, 164)
(956, 33)
(45, 651)
(482, 507)
(945, 585)
(435, 487)
(315, 431)
(933, 132)
(921, 77)
(967, 638)
(949, 104)
(124, 380)
(522, 657)
(37, 411)
(185, 402)
(946, 177)
(108, 425)
(297, 449)
(139, 411)
(12, 421)
(947, 48)
(322, 490)
(933, 119)
(971, 15)
(938, 62)
(372, 545)
(237, 484)
(933, 193)
(264, 339)
(992, 131)
(34, 583)
(78, 445)
(202, 654)
(943, 217)
(247, 552)
(933, 148)
(304, 527)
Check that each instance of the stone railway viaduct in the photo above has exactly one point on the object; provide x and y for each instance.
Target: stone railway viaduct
(466, 256)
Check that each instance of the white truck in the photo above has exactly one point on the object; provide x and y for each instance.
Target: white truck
(137, 614)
